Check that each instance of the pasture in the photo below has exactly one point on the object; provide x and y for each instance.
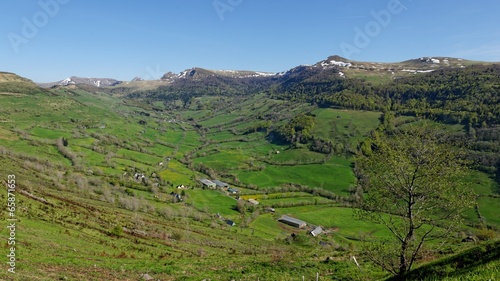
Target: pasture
(134, 227)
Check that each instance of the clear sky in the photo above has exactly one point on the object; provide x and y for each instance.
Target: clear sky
(49, 40)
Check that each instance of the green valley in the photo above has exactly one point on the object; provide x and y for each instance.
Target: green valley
(109, 180)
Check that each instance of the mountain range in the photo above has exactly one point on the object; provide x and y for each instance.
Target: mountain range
(344, 67)
(73, 80)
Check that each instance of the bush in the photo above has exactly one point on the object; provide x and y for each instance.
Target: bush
(486, 234)
(177, 235)
(117, 231)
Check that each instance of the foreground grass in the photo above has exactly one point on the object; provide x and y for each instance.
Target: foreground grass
(480, 262)
(85, 216)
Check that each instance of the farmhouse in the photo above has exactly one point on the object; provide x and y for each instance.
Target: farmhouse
(177, 197)
(253, 201)
(317, 231)
(232, 190)
(220, 184)
(139, 177)
(270, 209)
(293, 221)
(208, 183)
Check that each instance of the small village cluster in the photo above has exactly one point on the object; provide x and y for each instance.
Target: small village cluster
(216, 184)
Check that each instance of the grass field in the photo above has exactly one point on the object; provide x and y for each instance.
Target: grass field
(139, 157)
(329, 176)
(49, 133)
(267, 196)
(344, 125)
(213, 202)
(341, 219)
(296, 200)
(488, 201)
(297, 155)
(268, 227)
(226, 160)
(96, 222)
(488, 207)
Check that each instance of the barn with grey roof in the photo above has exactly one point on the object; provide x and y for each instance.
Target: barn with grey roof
(208, 183)
(293, 221)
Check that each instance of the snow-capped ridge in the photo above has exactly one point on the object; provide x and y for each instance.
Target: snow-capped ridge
(74, 80)
(66, 82)
(191, 72)
(326, 64)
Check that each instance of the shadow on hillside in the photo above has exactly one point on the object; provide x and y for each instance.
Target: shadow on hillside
(457, 265)
(274, 138)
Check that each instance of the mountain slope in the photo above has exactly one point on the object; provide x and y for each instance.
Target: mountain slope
(11, 83)
(73, 80)
(252, 81)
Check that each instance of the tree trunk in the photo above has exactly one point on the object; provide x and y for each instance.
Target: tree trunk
(403, 263)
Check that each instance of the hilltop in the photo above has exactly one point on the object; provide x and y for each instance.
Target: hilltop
(11, 83)
(11, 77)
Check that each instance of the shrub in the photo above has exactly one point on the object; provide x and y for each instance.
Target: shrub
(117, 231)
(486, 234)
(177, 235)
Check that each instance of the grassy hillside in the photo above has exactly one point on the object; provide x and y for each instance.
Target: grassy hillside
(14, 85)
(96, 175)
(83, 192)
(478, 263)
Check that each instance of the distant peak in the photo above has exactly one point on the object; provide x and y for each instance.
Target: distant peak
(169, 76)
(338, 58)
(334, 61)
(67, 81)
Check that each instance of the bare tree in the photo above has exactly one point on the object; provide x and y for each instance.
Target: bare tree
(412, 185)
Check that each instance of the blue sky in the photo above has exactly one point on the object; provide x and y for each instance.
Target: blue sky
(49, 40)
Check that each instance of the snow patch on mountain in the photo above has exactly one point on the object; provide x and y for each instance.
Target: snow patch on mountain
(336, 63)
(67, 82)
(430, 60)
(414, 71)
(265, 73)
(97, 82)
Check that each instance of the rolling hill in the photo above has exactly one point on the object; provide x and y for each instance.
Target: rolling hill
(11, 83)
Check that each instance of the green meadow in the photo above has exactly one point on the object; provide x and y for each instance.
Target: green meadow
(332, 176)
(86, 213)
